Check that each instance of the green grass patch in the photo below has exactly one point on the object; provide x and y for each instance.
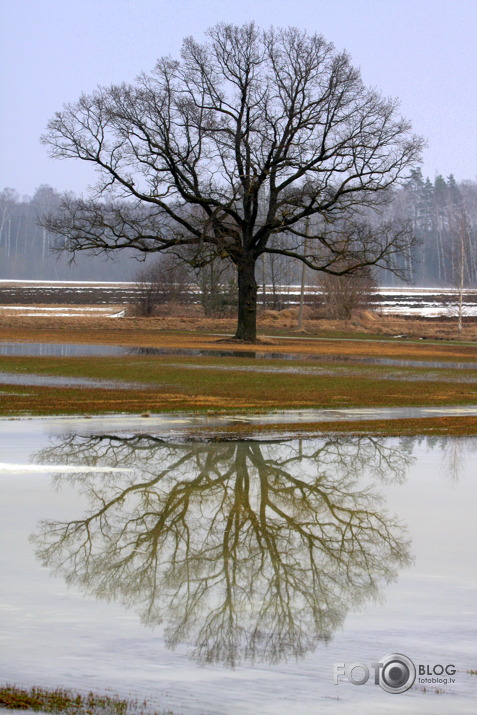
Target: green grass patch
(65, 701)
(217, 383)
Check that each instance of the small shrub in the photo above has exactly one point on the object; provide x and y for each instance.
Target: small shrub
(160, 282)
(341, 296)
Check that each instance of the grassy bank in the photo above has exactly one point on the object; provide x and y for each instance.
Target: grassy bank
(59, 700)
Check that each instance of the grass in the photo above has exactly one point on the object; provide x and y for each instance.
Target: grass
(221, 384)
(65, 701)
(241, 384)
(340, 342)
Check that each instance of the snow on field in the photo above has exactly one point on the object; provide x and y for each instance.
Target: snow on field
(64, 284)
(7, 468)
(426, 309)
(403, 300)
(62, 311)
(431, 310)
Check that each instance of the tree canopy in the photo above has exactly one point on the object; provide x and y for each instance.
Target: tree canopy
(250, 136)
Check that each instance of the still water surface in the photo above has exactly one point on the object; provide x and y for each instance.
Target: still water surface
(86, 350)
(228, 578)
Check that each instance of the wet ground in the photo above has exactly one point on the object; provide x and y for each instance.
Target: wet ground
(14, 378)
(187, 426)
(148, 562)
(28, 349)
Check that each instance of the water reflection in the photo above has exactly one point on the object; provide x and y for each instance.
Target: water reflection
(84, 350)
(455, 453)
(59, 349)
(243, 550)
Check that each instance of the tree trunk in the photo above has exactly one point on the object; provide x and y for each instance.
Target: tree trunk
(247, 300)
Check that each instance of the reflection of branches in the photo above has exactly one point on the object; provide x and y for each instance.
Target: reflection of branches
(455, 452)
(244, 550)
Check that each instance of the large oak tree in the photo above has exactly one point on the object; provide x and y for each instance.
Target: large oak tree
(249, 136)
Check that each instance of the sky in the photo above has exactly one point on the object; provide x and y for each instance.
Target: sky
(51, 51)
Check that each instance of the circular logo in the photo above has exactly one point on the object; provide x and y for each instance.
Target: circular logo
(397, 674)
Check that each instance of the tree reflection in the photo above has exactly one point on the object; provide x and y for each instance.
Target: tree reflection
(455, 453)
(243, 550)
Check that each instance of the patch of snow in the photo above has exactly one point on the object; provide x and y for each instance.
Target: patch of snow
(67, 284)
(425, 311)
(55, 309)
(6, 468)
(31, 311)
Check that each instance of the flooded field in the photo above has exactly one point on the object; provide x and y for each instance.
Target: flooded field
(59, 350)
(237, 577)
(33, 349)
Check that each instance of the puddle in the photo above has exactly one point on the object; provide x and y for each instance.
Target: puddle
(14, 378)
(83, 350)
(59, 350)
(343, 371)
(316, 357)
(230, 578)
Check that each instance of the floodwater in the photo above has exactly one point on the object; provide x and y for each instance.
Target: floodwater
(234, 578)
(98, 350)
(15, 378)
(58, 350)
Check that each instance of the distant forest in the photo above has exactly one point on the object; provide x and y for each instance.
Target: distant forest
(443, 215)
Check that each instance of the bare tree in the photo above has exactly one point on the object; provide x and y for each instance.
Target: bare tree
(8, 202)
(342, 295)
(461, 255)
(277, 271)
(233, 145)
(162, 281)
(217, 287)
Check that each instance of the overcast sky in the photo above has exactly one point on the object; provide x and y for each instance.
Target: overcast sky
(422, 51)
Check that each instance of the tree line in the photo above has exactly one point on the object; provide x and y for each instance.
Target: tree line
(444, 220)
(443, 214)
(27, 250)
